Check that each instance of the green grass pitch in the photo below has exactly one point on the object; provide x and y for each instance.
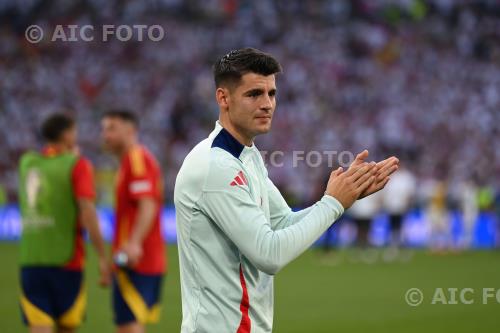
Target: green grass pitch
(318, 293)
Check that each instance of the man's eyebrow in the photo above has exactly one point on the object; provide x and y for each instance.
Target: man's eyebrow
(254, 91)
(258, 91)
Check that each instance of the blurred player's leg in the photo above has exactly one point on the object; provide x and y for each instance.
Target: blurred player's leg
(396, 221)
(391, 253)
(363, 226)
(52, 297)
(136, 300)
(329, 239)
(437, 214)
(398, 198)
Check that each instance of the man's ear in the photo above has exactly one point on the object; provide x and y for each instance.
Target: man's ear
(222, 97)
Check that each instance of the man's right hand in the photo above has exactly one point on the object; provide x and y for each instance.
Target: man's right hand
(347, 186)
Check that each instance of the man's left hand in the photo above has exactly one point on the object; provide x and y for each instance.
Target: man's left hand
(385, 169)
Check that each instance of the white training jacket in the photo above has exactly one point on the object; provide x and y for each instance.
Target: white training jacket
(234, 232)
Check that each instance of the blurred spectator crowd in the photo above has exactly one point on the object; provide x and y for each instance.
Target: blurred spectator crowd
(416, 79)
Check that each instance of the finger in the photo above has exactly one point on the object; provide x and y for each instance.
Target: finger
(386, 168)
(338, 171)
(376, 186)
(392, 170)
(381, 175)
(364, 177)
(354, 168)
(361, 157)
(335, 173)
(392, 161)
(381, 185)
(362, 187)
(387, 164)
(388, 161)
(369, 167)
(383, 163)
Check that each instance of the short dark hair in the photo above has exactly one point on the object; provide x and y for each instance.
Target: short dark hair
(124, 115)
(229, 69)
(55, 125)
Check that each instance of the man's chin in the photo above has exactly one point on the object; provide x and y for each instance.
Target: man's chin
(110, 148)
(263, 129)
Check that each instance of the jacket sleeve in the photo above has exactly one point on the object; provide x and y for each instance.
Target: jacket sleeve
(244, 223)
(281, 214)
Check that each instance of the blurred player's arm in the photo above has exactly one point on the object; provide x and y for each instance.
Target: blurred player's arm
(145, 217)
(142, 190)
(83, 186)
(90, 221)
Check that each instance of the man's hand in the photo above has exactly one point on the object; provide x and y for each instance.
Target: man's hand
(347, 186)
(385, 169)
(133, 250)
(104, 272)
(145, 218)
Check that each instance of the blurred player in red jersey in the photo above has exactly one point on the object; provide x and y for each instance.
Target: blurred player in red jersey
(137, 242)
(57, 184)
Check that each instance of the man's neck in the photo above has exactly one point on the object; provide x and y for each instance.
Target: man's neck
(57, 147)
(241, 138)
(126, 148)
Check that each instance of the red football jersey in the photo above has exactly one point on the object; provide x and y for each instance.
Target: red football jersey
(139, 176)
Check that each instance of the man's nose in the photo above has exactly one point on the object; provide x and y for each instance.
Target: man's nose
(267, 105)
